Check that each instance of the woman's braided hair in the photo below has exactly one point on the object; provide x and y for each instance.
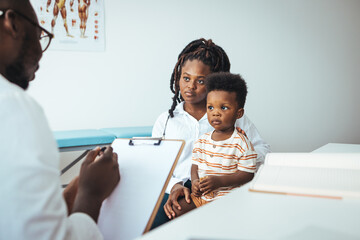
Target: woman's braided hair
(203, 50)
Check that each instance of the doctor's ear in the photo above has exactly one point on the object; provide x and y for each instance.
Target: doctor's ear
(240, 113)
(11, 23)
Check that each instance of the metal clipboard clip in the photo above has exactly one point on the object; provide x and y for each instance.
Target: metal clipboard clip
(145, 140)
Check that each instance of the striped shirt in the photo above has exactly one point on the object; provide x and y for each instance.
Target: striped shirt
(223, 157)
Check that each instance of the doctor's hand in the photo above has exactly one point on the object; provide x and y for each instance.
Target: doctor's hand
(70, 192)
(99, 175)
(177, 191)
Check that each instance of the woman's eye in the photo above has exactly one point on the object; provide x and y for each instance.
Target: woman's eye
(224, 108)
(201, 81)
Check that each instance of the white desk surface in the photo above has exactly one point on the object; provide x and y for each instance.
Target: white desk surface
(250, 215)
(339, 148)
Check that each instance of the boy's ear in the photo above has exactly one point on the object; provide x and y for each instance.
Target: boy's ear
(240, 113)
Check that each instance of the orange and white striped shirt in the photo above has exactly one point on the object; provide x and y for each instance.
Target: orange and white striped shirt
(223, 157)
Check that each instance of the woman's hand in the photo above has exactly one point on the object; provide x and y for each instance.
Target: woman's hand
(177, 191)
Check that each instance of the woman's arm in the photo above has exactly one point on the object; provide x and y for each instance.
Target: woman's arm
(177, 191)
(261, 147)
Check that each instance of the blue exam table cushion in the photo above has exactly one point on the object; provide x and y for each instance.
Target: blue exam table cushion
(129, 132)
(84, 137)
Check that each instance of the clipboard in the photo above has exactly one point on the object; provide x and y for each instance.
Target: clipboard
(146, 166)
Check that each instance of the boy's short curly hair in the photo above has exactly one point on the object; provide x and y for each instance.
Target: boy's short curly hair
(228, 82)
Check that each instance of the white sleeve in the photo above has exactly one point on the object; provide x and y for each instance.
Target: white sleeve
(32, 206)
(172, 182)
(159, 125)
(84, 227)
(261, 147)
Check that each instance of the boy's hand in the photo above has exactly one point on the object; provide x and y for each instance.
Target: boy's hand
(195, 188)
(209, 184)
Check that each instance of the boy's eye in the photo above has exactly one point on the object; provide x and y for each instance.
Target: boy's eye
(224, 108)
(210, 107)
(186, 79)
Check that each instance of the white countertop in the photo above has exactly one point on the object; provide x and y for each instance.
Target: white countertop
(250, 215)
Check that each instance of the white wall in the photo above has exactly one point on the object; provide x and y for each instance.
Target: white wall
(301, 60)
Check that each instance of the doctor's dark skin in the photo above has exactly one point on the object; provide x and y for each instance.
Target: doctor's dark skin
(20, 53)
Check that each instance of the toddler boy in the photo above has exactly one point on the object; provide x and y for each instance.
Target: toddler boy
(224, 158)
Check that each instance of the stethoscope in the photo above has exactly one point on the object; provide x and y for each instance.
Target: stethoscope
(163, 136)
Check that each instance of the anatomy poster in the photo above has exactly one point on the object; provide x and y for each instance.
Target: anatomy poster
(78, 25)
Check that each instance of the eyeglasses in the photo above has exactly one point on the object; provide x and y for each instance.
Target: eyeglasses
(45, 37)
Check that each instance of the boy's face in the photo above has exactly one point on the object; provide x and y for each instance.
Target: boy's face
(223, 110)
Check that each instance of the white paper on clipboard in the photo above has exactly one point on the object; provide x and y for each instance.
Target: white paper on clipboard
(145, 170)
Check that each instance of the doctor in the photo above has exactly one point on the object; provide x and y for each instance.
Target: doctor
(31, 202)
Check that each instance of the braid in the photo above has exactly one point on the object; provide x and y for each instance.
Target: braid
(203, 50)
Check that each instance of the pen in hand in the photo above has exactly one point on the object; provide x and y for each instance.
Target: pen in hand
(101, 152)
